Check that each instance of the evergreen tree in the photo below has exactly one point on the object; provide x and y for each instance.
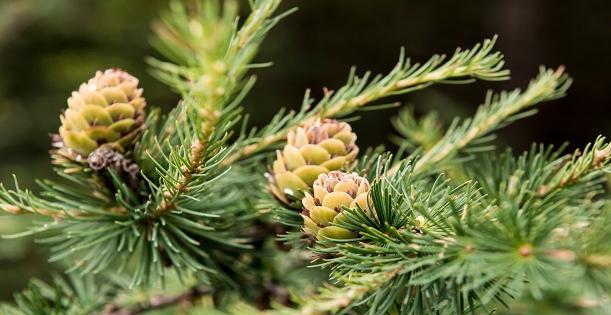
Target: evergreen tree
(196, 212)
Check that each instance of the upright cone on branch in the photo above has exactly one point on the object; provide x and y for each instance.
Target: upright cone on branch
(332, 192)
(108, 109)
(315, 148)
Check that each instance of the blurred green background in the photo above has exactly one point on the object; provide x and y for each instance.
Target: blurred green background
(48, 47)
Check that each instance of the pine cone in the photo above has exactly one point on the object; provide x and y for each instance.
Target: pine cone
(332, 192)
(313, 149)
(108, 109)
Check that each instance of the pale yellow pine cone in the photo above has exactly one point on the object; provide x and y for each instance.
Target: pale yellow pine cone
(108, 109)
(315, 148)
(333, 191)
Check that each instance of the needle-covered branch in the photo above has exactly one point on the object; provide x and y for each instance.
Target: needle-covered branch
(206, 46)
(593, 158)
(447, 248)
(75, 295)
(184, 201)
(159, 301)
(542, 174)
(479, 62)
(209, 51)
(497, 110)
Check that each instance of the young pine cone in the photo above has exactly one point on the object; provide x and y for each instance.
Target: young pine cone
(332, 192)
(313, 149)
(108, 109)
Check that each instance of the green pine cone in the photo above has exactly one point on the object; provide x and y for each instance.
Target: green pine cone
(108, 109)
(312, 149)
(332, 192)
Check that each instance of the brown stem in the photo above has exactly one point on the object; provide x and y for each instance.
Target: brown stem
(169, 197)
(159, 302)
(599, 159)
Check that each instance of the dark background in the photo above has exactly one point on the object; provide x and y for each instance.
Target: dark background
(48, 47)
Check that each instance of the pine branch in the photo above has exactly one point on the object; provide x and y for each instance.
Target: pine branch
(593, 158)
(191, 168)
(159, 302)
(186, 214)
(356, 287)
(181, 210)
(452, 249)
(83, 193)
(74, 295)
(60, 201)
(498, 110)
(542, 175)
(479, 62)
(209, 54)
(376, 270)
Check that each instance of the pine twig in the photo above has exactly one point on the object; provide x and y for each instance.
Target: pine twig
(498, 109)
(478, 62)
(332, 298)
(195, 161)
(581, 164)
(159, 302)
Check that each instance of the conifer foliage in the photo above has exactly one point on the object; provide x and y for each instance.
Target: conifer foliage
(195, 212)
